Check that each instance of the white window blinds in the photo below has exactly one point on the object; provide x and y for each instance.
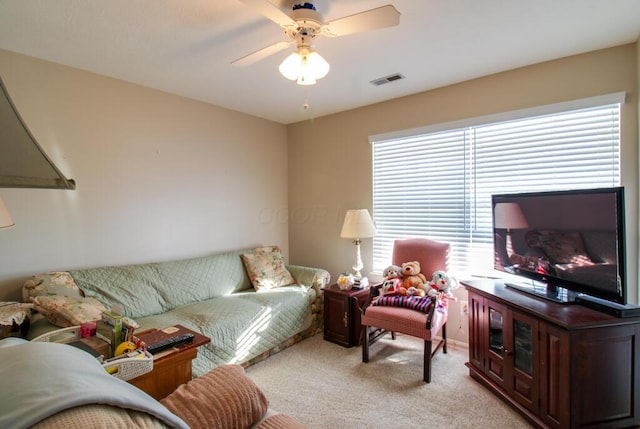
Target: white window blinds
(439, 185)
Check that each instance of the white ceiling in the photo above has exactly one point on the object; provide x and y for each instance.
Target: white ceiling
(186, 47)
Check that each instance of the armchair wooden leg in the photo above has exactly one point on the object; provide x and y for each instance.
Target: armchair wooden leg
(444, 338)
(365, 344)
(427, 362)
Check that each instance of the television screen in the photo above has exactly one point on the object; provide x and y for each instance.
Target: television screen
(571, 241)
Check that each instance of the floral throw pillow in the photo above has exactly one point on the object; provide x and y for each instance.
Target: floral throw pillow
(54, 283)
(64, 311)
(266, 268)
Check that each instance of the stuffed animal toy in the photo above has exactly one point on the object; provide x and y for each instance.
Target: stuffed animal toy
(413, 281)
(393, 280)
(392, 272)
(442, 284)
(413, 291)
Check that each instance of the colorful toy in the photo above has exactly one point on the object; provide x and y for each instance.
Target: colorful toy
(393, 280)
(441, 285)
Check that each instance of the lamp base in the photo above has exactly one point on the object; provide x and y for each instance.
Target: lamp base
(360, 282)
(358, 265)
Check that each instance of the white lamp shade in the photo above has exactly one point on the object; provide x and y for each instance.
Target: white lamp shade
(358, 224)
(290, 67)
(509, 216)
(305, 66)
(5, 218)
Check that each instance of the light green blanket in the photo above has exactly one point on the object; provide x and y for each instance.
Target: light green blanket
(241, 326)
(154, 288)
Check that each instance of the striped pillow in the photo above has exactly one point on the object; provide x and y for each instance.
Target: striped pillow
(413, 302)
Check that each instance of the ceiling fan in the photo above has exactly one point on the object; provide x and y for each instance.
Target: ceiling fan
(302, 25)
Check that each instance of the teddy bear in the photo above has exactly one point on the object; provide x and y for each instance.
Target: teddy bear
(413, 281)
(442, 283)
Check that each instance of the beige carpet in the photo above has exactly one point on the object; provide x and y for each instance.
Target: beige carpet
(324, 385)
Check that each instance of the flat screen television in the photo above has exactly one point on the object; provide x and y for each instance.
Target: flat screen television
(569, 245)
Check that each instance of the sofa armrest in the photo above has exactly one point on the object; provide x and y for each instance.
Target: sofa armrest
(315, 278)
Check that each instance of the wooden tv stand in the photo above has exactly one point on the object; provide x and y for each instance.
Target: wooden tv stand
(559, 365)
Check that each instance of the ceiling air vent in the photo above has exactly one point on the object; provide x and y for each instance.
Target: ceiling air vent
(387, 79)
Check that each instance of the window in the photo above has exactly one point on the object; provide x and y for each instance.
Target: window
(438, 182)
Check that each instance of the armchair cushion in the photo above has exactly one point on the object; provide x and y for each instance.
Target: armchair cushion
(410, 322)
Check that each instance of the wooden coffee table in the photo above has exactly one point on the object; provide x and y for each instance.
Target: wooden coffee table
(171, 368)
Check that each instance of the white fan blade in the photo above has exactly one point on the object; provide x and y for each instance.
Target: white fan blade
(260, 54)
(381, 17)
(269, 10)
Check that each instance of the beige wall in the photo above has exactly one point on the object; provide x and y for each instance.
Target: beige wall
(330, 157)
(162, 177)
(158, 176)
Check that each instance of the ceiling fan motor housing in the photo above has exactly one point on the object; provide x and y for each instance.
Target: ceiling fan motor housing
(306, 5)
(309, 20)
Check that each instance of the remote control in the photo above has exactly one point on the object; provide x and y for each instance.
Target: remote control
(169, 343)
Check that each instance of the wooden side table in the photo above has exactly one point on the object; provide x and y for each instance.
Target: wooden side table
(342, 311)
(171, 368)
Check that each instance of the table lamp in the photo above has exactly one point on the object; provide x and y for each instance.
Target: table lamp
(357, 225)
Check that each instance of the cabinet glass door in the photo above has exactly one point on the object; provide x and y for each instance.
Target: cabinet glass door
(523, 346)
(496, 331)
(523, 383)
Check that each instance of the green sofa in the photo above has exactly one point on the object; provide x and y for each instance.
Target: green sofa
(212, 295)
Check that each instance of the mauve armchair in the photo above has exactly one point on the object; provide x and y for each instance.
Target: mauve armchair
(378, 320)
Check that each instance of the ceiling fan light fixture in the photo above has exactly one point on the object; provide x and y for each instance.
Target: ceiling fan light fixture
(302, 80)
(290, 67)
(304, 66)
